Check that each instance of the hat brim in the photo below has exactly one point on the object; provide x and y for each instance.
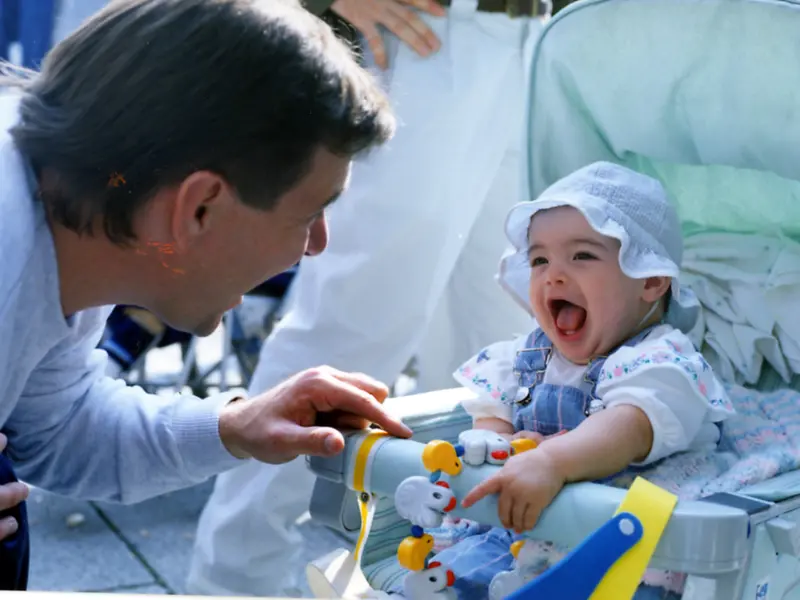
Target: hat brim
(514, 273)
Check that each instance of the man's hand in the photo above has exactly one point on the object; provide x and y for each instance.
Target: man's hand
(302, 416)
(368, 15)
(526, 485)
(11, 494)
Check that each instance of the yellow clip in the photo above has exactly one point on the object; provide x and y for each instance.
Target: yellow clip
(516, 547)
(523, 445)
(441, 456)
(413, 551)
(653, 507)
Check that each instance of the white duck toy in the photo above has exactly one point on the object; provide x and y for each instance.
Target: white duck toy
(482, 446)
(433, 583)
(422, 502)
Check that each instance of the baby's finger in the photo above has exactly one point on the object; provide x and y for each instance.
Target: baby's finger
(3, 441)
(489, 486)
(518, 515)
(531, 518)
(505, 509)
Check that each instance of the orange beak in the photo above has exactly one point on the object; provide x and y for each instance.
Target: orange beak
(451, 578)
(499, 455)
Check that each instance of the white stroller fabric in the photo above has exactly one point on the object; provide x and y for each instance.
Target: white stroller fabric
(748, 286)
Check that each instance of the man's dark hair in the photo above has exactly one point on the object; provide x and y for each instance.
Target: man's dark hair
(149, 91)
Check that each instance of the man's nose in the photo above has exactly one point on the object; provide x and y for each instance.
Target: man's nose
(317, 236)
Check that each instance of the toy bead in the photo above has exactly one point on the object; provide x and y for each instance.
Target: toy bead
(459, 450)
(413, 552)
(516, 547)
(439, 455)
(522, 445)
(435, 476)
(417, 531)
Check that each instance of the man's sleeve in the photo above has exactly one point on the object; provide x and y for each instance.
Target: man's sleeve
(79, 433)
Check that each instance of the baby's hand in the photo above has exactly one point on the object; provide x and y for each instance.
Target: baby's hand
(526, 485)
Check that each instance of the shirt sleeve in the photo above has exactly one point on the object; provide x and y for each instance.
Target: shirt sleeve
(79, 433)
(671, 383)
(490, 374)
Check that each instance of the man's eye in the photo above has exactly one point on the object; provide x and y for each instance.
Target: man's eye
(584, 256)
(538, 261)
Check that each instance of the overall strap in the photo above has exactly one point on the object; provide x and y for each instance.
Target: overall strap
(531, 362)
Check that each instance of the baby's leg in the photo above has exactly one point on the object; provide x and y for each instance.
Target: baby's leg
(475, 561)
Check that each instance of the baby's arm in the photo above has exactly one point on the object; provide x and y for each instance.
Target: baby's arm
(613, 438)
(500, 426)
(602, 445)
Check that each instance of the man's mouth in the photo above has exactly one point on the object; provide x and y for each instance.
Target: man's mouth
(568, 317)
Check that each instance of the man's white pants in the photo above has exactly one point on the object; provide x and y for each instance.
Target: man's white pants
(414, 247)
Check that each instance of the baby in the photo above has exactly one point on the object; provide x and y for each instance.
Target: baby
(608, 381)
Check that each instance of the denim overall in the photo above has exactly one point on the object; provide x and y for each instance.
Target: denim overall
(14, 550)
(547, 409)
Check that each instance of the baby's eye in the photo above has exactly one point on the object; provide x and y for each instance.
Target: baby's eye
(584, 256)
(538, 261)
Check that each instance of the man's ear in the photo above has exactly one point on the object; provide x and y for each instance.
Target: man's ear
(655, 288)
(198, 201)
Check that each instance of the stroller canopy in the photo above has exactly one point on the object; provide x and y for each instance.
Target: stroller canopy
(702, 94)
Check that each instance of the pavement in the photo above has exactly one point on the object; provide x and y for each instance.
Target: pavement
(144, 548)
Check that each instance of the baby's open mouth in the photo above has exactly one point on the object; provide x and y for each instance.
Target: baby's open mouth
(568, 317)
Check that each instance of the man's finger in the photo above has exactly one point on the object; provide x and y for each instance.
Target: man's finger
(333, 394)
(411, 29)
(339, 420)
(480, 491)
(8, 527)
(362, 381)
(429, 6)
(11, 494)
(313, 441)
(374, 40)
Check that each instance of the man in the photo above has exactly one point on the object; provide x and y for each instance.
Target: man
(410, 270)
(172, 154)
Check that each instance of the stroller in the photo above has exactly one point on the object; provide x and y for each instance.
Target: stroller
(705, 96)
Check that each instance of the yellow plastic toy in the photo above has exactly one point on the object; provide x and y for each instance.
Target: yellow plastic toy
(441, 456)
(413, 552)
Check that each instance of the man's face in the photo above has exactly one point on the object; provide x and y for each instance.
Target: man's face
(227, 248)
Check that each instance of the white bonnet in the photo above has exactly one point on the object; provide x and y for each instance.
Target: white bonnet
(617, 203)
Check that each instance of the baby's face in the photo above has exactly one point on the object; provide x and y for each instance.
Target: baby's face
(580, 297)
